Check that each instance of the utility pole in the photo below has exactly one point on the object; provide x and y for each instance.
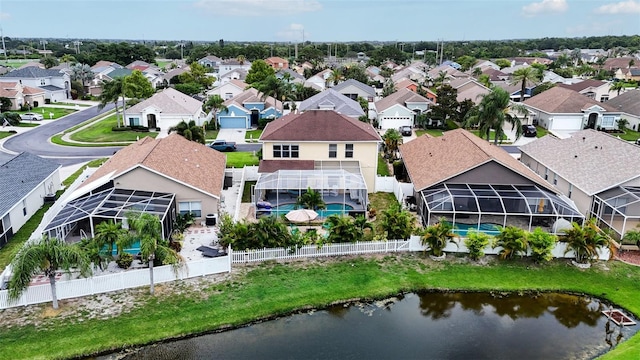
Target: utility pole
(437, 50)
(77, 44)
(4, 49)
(181, 44)
(44, 46)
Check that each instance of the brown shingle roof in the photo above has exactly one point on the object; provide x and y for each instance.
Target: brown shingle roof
(175, 157)
(171, 102)
(401, 97)
(250, 95)
(319, 125)
(431, 160)
(28, 90)
(583, 85)
(558, 100)
(270, 166)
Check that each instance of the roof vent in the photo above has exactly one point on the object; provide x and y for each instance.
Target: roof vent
(596, 146)
(575, 156)
(584, 138)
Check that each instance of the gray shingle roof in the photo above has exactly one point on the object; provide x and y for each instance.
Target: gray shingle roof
(628, 102)
(341, 103)
(20, 175)
(591, 160)
(352, 82)
(171, 102)
(51, 88)
(32, 72)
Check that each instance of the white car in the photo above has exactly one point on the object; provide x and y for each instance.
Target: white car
(31, 116)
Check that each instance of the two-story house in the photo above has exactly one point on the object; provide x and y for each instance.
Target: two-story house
(55, 83)
(322, 150)
(277, 63)
(246, 109)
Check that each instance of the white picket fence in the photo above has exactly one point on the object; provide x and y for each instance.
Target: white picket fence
(357, 248)
(124, 280)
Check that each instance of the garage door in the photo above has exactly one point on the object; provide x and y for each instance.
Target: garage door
(233, 122)
(566, 124)
(395, 122)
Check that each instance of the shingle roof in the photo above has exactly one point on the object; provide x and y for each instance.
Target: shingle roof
(559, 100)
(319, 125)
(270, 166)
(250, 95)
(175, 157)
(628, 102)
(20, 175)
(51, 88)
(28, 90)
(119, 73)
(431, 160)
(352, 82)
(582, 85)
(341, 103)
(591, 160)
(400, 97)
(171, 102)
(33, 72)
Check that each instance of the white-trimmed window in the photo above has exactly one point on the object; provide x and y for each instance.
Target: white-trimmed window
(24, 207)
(546, 174)
(570, 191)
(193, 207)
(333, 150)
(286, 151)
(555, 179)
(348, 150)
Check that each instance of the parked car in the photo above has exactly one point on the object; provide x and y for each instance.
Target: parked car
(637, 141)
(31, 116)
(529, 131)
(222, 145)
(405, 130)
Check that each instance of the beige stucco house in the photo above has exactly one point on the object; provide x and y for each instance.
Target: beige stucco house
(161, 176)
(321, 149)
(598, 171)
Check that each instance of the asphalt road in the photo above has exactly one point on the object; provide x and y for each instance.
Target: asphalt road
(36, 140)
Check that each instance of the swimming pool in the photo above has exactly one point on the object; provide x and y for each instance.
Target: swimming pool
(134, 249)
(487, 228)
(332, 209)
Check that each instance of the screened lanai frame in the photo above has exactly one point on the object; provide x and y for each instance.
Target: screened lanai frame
(618, 209)
(335, 186)
(112, 204)
(524, 206)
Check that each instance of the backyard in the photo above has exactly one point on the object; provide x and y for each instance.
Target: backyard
(241, 159)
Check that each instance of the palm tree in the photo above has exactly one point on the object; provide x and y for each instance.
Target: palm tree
(493, 112)
(214, 104)
(189, 131)
(109, 233)
(392, 139)
(341, 229)
(361, 225)
(632, 236)
(584, 240)
(476, 72)
(148, 230)
(336, 77)
(270, 86)
(111, 92)
(524, 76)
(513, 241)
(241, 59)
(82, 73)
(617, 86)
(437, 236)
(46, 255)
(396, 222)
(311, 199)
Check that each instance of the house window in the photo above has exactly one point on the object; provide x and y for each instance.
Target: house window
(555, 179)
(546, 174)
(333, 150)
(607, 122)
(42, 82)
(193, 207)
(570, 191)
(24, 207)
(604, 98)
(228, 96)
(286, 151)
(348, 150)
(134, 121)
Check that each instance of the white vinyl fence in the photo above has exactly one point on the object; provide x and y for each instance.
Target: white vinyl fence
(390, 184)
(118, 281)
(368, 247)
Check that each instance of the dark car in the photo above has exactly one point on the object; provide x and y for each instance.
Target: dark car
(222, 145)
(405, 130)
(529, 131)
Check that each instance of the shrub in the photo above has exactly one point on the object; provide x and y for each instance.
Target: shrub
(541, 244)
(513, 241)
(124, 260)
(476, 242)
(437, 236)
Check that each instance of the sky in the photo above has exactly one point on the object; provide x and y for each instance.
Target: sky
(318, 20)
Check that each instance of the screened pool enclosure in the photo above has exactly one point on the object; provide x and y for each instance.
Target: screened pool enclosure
(79, 217)
(618, 209)
(344, 192)
(484, 207)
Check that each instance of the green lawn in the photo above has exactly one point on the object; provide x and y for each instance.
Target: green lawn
(246, 192)
(540, 131)
(253, 135)
(492, 135)
(383, 168)
(273, 288)
(4, 134)
(100, 132)
(432, 132)
(163, 64)
(15, 63)
(629, 135)
(72, 104)
(57, 112)
(28, 124)
(239, 159)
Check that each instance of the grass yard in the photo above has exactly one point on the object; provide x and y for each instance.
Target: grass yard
(4, 134)
(383, 168)
(239, 159)
(8, 251)
(432, 132)
(492, 135)
(100, 132)
(276, 289)
(16, 63)
(163, 64)
(381, 201)
(246, 192)
(28, 124)
(72, 104)
(57, 112)
(211, 135)
(253, 135)
(629, 135)
(540, 131)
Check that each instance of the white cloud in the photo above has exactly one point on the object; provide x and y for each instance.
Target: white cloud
(293, 33)
(545, 7)
(259, 7)
(623, 7)
(4, 16)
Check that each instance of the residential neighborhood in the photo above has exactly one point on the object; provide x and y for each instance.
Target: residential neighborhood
(151, 165)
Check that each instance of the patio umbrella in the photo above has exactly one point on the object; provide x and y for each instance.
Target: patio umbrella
(301, 215)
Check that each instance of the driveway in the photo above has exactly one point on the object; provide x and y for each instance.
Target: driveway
(36, 140)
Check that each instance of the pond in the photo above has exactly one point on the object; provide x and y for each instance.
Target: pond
(426, 325)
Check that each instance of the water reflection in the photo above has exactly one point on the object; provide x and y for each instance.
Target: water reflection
(427, 325)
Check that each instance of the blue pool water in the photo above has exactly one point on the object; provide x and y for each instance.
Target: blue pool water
(487, 228)
(331, 209)
(134, 249)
